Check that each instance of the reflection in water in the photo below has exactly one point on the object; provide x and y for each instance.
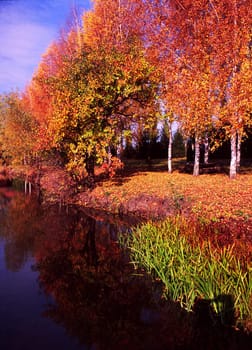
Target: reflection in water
(97, 298)
(93, 293)
(19, 222)
(15, 256)
(89, 286)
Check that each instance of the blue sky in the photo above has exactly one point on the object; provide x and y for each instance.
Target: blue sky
(27, 27)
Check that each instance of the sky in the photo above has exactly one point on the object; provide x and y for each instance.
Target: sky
(27, 27)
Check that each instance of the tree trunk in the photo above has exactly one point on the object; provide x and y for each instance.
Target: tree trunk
(90, 164)
(238, 152)
(109, 156)
(196, 157)
(119, 148)
(170, 149)
(232, 170)
(206, 150)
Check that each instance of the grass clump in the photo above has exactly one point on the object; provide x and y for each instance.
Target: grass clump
(189, 270)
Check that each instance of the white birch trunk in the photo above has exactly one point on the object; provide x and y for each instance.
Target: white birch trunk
(233, 139)
(232, 169)
(206, 150)
(170, 149)
(196, 157)
(119, 148)
(238, 152)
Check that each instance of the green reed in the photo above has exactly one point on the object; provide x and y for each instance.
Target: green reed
(189, 271)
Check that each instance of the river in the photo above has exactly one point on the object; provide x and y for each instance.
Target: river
(65, 283)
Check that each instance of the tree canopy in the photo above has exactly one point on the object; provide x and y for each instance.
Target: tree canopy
(107, 73)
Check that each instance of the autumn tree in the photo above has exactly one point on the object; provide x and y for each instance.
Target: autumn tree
(92, 88)
(46, 86)
(103, 95)
(156, 34)
(113, 33)
(176, 42)
(205, 70)
(193, 61)
(18, 129)
(216, 69)
(231, 45)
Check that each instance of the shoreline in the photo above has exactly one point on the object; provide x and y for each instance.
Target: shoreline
(155, 196)
(57, 186)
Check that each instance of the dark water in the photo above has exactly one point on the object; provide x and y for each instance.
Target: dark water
(66, 284)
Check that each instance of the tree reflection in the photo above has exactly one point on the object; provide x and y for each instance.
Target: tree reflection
(19, 227)
(97, 298)
(15, 256)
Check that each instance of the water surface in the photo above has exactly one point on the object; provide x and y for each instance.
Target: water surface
(66, 284)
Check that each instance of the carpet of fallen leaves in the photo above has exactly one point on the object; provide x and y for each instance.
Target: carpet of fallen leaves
(213, 197)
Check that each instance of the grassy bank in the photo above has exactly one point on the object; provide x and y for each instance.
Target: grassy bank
(190, 269)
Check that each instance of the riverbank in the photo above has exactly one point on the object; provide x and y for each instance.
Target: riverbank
(117, 196)
(152, 193)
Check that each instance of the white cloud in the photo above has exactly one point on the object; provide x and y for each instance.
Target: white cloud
(20, 51)
(24, 41)
(27, 28)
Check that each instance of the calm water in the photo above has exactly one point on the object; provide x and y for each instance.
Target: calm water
(64, 283)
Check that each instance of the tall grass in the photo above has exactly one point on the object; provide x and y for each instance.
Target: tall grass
(189, 271)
